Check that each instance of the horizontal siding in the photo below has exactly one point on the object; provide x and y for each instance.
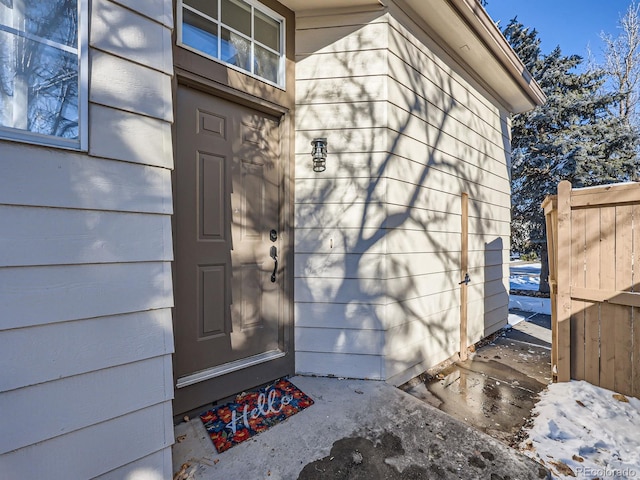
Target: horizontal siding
(330, 190)
(83, 346)
(129, 35)
(161, 12)
(340, 365)
(341, 165)
(129, 137)
(409, 42)
(340, 265)
(337, 290)
(97, 397)
(347, 341)
(342, 38)
(85, 272)
(118, 83)
(55, 178)
(378, 242)
(50, 236)
(94, 450)
(156, 466)
(339, 115)
(341, 65)
(417, 69)
(335, 240)
(446, 138)
(338, 316)
(32, 296)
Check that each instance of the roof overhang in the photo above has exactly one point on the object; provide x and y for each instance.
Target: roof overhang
(465, 31)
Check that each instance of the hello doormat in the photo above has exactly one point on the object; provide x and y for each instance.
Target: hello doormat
(252, 413)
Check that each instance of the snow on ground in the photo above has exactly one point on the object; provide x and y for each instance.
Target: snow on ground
(584, 431)
(524, 276)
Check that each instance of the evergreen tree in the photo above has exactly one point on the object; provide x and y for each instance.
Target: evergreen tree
(574, 136)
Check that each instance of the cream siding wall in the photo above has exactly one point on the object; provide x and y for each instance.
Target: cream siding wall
(378, 234)
(340, 251)
(85, 277)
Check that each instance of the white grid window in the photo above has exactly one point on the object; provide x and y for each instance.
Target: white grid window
(43, 72)
(245, 35)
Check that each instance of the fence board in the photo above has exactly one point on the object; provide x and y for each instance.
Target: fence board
(609, 313)
(578, 219)
(606, 195)
(598, 277)
(563, 258)
(623, 346)
(592, 310)
(635, 374)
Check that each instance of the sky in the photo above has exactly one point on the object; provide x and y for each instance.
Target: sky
(572, 24)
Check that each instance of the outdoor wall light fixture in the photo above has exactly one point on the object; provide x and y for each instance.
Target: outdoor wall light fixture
(319, 154)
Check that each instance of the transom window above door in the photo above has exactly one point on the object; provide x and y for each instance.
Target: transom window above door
(245, 35)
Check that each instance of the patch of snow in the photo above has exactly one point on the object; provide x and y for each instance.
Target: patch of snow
(530, 304)
(515, 319)
(583, 431)
(524, 276)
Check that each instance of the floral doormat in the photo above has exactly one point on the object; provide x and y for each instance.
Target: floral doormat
(253, 412)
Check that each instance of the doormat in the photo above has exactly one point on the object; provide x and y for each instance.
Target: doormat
(253, 412)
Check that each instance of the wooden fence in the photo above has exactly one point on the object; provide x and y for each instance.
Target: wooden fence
(593, 235)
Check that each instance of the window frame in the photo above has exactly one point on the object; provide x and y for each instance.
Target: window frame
(256, 6)
(80, 143)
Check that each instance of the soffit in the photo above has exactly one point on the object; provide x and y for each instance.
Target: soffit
(302, 5)
(465, 30)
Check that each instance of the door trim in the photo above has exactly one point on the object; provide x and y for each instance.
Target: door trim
(229, 93)
(267, 366)
(230, 367)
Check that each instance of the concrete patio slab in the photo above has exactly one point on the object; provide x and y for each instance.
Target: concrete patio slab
(356, 429)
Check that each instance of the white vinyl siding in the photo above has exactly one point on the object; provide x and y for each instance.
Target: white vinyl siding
(377, 255)
(85, 271)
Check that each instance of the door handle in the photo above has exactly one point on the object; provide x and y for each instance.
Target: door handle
(466, 279)
(274, 255)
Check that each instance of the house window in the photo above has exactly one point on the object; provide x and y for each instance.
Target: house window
(245, 35)
(43, 71)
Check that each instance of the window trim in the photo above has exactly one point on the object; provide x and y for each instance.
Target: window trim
(257, 6)
(82, 142)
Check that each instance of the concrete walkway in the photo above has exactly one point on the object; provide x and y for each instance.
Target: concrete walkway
(355, 430)
(497, 387)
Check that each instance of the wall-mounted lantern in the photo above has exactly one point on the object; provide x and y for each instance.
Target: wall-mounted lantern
(319, 154)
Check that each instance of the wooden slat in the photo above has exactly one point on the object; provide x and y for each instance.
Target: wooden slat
(623, 344)
(550, 206)
(577, 307)
(607, 195)
(629, 299)
(635, 363)
(464, 269)
(609, 314)
(635, 332)
(592, 310)
(562, 337)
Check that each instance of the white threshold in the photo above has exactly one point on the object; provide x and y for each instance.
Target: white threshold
(230, 367)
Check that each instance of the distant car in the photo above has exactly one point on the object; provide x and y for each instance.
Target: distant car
(515, 256)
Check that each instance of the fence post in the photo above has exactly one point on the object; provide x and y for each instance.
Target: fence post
(550, 207)
(563, 334)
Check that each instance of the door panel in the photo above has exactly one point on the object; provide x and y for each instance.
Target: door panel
(229, 315)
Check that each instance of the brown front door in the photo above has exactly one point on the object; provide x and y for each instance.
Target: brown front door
(230, 316)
